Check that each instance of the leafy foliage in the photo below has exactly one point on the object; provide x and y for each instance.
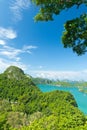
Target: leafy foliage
(51, 7)
(24, 107)
(75, 35)
(14, 84)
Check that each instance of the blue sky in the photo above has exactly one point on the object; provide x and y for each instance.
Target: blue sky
(36, 47)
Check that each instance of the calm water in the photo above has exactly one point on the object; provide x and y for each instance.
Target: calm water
(80, 97)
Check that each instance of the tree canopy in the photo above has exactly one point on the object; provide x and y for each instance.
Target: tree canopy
(24, 107)
(75, 35)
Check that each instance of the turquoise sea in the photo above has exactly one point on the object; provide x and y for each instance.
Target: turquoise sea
(80, 97)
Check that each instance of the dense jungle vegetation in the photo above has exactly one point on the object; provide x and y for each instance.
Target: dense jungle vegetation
(24, 107)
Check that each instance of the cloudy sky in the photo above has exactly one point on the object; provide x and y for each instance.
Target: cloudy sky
(36, 47)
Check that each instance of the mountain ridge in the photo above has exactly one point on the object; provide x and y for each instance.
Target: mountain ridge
(23, 106)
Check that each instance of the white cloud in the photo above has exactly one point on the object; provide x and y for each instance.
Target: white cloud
(2, 42)
(29, 48)
(6, 63)
(61, 75)
(13, 53)
(17, 6)
(7, 33)
(10, 52)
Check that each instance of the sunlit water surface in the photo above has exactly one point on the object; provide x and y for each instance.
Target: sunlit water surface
(80, 97)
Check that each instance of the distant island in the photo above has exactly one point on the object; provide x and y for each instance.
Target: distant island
(24, 107)
(81, 85)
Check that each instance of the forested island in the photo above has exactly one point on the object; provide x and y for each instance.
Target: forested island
(81, 85)
(24, 107)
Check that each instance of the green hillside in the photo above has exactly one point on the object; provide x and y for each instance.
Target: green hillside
(24, 107)
(14, 83)
(14, 72)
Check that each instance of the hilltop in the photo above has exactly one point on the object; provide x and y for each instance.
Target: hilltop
(23, 106)
(14, 72)
(14, 83)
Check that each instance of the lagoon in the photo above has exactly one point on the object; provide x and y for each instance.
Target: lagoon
(80, 97)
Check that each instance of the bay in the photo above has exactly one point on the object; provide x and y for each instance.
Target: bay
(80, 97)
